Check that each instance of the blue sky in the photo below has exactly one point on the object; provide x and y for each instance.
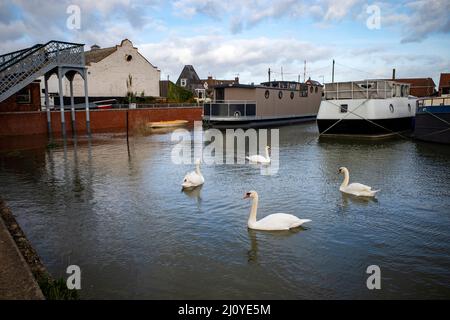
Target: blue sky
(227, 38)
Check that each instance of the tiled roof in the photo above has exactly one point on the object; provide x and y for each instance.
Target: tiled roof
(444, 81)
(417, 82)
(96, 55)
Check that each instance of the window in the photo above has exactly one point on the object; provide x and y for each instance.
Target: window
(23, 96)
(303, 90)
(267, 94)
(292, 95)
(311, 89)
(128, 57)
(344, 108)
(316, 89)
(183, 82)
(280, 94)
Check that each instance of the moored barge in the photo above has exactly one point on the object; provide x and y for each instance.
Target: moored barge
(433, 119)
(267, 104)
(368, 108)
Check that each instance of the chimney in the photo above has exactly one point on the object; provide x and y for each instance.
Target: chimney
(209, 77)
(95, 47)
(393, 74)
(236, 80)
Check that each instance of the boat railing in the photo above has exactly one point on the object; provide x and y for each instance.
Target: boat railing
(238, 109)
(365, 90)
(433, 102)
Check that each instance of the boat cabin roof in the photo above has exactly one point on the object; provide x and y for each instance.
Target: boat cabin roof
(293, 85)
(366, 89)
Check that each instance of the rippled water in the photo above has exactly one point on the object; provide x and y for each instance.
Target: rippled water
(120, 215)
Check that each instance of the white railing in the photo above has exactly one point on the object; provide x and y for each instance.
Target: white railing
(433, 102)
(368, 89)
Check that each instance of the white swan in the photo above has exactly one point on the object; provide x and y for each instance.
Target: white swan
(273, 222)
(194, 178)
(259, 158)
(356, 189)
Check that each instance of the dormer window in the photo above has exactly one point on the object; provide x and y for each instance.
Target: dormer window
(183, 82)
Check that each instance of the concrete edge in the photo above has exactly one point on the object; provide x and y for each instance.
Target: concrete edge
(37, 294)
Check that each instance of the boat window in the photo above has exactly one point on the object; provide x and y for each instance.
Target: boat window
(267, 94)
(391, 108)
(405, 91)
(344, 108)
(292, 95)
(316, 89)
(280, 94)
(311, 89)
(303, 90)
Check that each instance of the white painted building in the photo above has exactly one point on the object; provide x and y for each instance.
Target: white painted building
(113, 72)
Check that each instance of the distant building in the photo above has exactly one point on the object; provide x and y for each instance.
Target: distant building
(420, 87)
(444, 84)
(164, 88)
(114, 72)
(26, 99)
(201, 88)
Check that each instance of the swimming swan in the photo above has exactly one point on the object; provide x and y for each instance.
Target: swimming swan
(356, 189)
(194, 178)
(273, 222)
(260, 159)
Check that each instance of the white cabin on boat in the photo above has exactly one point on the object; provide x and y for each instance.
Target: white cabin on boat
(368, 107)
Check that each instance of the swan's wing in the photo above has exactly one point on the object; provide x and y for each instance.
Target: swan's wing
(279, 221)
(257, 158)
(358, 187)
(193, 179)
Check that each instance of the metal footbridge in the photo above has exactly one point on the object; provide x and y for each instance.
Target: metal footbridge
(20, 68)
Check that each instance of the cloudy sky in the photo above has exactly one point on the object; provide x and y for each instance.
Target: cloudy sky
(225, 38)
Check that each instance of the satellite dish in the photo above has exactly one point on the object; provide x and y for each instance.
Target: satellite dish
(205, 85)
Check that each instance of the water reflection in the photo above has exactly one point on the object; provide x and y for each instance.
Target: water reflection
(121, 217)
(360, 201)
(194, 193)
(266, 237)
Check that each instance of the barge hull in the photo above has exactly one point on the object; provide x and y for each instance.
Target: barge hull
(260, 123)
(432, 128)
(364, 127)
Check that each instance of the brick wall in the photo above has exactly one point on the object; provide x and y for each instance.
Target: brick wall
(12, 105)
(26, 123)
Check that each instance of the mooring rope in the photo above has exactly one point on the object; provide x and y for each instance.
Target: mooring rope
(353, 112)
(437, 131)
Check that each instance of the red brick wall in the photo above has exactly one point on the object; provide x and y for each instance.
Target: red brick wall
(11, 105)
(25, 123)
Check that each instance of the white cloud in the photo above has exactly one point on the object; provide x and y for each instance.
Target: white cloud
(225, 57)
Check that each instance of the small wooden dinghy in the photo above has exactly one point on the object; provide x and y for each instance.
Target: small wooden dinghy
(167, 124)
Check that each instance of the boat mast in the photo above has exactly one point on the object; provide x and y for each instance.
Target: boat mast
(332, 74)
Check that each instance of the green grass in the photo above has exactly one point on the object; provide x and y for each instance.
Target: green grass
(57, 290)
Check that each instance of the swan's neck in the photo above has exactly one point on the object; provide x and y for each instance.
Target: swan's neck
(252, 217)
(346, 179)
(197, 169)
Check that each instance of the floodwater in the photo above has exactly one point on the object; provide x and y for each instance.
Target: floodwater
(120, 215)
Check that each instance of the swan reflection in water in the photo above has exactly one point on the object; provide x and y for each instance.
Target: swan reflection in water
(265, 237)
(194, 193)
(361, 201)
